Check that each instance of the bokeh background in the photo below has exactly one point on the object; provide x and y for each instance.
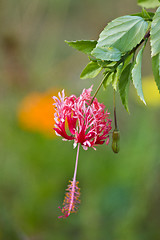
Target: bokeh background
(120, 193)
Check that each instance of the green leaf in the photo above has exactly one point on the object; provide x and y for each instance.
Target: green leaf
(116, 76)
(106, 64)
(91, 58)
(141, 14)
(148, 3)
(124, 85)
(108, 79)
(106, 53)
(127, 60)
(123, 33)
(145, 14)
(120, 69)
(91, 70)
(136, 74)
(103, 63)
(84, 46)
(156, 69)
(155, 33)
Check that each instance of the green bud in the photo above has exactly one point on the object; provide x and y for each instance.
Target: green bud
(116, 141)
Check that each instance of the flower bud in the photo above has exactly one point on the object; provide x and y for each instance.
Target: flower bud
(116, 141)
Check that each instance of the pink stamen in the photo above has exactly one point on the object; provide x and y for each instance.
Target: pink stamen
(71, 200)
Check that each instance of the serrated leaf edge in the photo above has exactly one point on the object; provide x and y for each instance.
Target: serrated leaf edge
(133, 69)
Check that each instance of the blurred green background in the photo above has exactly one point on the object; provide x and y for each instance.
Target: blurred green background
(120, 193)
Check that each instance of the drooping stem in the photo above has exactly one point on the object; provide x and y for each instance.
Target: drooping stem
(76, 164)
(114, 104)
(99, 87)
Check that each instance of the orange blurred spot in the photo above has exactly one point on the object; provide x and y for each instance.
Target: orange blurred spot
(36, 112)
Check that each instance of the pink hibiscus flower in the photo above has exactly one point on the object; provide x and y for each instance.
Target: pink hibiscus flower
(88, 125)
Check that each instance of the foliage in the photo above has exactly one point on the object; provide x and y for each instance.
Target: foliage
(118, 51)
(121, 192)
(136, 74)
(148, 3)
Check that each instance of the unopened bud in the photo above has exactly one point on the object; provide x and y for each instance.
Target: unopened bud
(116, 141)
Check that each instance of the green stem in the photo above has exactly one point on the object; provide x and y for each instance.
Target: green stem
(107, 75)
